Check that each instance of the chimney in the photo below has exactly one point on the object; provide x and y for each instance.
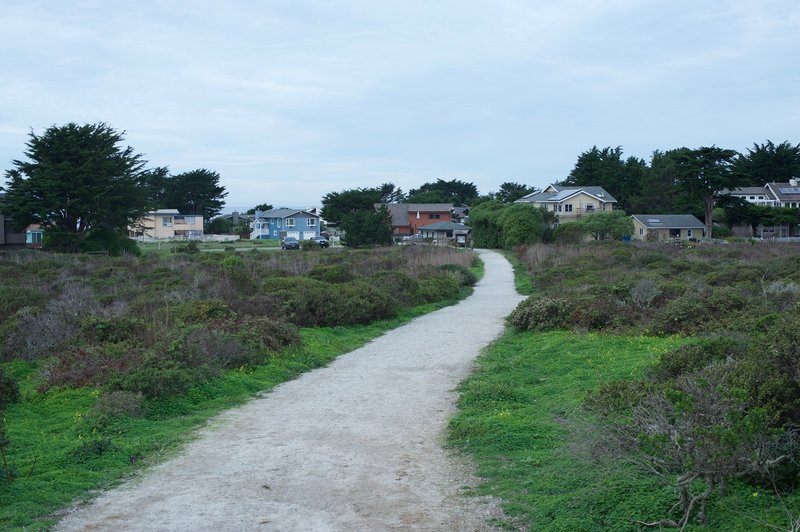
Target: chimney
(235, 218)
(794, 181)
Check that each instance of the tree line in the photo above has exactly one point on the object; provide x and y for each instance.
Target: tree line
(87, 188)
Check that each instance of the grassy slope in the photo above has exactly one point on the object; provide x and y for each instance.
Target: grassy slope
(55, 450)
(514, 418)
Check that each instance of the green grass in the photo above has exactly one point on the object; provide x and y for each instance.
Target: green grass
(519, 418)
(522, 278)
(59, 457)
(238, 245)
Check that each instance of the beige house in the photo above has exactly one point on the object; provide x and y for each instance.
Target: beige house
(571, 203)
(168, 224)
(667, 227)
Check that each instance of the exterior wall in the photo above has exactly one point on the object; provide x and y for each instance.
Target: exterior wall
(578, 206)
(421, 218)
(301, 226)
(9, 237)
(165, 226)
(640, 232)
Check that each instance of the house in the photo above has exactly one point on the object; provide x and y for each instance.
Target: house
(408, 218)
(664, 227)
(276, 224)
(571, 203)
(771, 194)
(34, 234)
(167, 224)
(446, 233)
(8, 235)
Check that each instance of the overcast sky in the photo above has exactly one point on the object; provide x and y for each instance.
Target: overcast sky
(289, 100)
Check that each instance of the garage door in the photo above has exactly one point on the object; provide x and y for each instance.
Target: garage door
(308, 235)
(295, 234)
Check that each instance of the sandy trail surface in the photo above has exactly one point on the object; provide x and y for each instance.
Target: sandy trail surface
(356, 445)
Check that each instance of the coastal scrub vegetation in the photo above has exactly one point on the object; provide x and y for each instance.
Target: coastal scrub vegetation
(106, 363)
(644, 386)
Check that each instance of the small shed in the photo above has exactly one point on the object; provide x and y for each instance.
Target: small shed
(447, 233)
(663, 227)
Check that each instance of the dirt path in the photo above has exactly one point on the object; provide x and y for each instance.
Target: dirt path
(352, 446)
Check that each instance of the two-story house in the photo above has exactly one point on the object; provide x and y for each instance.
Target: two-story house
(167, 224)
(571, 203)
(771, 194)
(408, 218)
(276, 224)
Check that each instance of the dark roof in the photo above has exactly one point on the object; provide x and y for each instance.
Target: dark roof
(563, 193)
(285, 213)
(785, 191)
(669, 221)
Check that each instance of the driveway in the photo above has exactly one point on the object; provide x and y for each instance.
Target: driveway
(356, 445)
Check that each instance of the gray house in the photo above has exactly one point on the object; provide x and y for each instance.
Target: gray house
(663, 227)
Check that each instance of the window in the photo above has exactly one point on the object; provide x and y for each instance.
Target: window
(312, 222)
(568, 207)
(433, 216)
(641, 231)
(689, 233)
(589, 208)
(752, 197)
(166, 221)
(559, 208)
(278, 222)
(289, 222)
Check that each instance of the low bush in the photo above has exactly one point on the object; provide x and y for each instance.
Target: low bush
(160, 376)
(13, 298)
(541, 314)
(9, 391)
(401, 287)
(95, 329)
(114, 404)
(439, 287)
(332, 273)
(89, 366)
(468, 278)
(695, 356)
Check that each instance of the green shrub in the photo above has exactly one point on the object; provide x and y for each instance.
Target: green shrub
(442, 287)
(160, 377)
(617, 396)
(199, 311)
(332, 273)
(96, 329)
(13, 298)
(541, 314)
(695, 356)
(89, 366)
(401, 287)
(232, 262)
(468, 278)
(9, 391)
(114, 404)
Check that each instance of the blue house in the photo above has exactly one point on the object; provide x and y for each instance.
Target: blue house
(279, 223)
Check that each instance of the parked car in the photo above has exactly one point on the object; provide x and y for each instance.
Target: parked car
(321, 241)
(290, 242)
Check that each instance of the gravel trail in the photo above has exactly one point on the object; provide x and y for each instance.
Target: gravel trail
(356, 445)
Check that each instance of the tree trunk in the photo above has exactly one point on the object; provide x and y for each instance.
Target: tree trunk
(709, 205)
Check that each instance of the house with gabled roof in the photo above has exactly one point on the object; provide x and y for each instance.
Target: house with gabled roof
(667, 227)
(408, 218)
(277, 224)
(571, 203)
